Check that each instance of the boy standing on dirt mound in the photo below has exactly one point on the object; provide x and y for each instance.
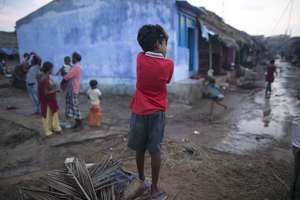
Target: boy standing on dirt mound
(149, 103)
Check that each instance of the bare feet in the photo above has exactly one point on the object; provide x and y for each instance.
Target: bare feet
(158, 195)
(142, 188)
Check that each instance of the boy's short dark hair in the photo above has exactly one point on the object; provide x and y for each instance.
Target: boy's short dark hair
(149, 34)
(76, 57)
(67, 59)
(93, 83)
(272, 61)
(47, 67)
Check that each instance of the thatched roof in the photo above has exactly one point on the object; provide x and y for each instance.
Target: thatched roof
(225, 31)
(8, 40)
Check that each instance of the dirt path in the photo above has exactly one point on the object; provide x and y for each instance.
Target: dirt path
(223, 160)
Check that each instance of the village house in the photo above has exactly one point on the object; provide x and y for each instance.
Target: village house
(8, 43)
(105, 31)
(8, 51)
(291, 50)
(221, 46)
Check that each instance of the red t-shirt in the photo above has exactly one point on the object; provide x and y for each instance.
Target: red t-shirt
(271, 69)
(153, 73)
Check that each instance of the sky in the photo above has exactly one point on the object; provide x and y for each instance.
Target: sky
(256, 17)
(12, 10)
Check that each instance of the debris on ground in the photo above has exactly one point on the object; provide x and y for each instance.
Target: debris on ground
(105, 180)
(9, 107)
(190, 149)
(247, 79)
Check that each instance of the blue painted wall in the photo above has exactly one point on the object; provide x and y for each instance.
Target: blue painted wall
(104, 33)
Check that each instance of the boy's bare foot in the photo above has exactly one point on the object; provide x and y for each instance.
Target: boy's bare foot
(158, 195)
(142, 188)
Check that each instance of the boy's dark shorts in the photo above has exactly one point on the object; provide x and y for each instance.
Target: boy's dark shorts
(146, 132)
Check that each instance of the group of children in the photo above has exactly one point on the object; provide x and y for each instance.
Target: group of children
(148, 106)
(42, 90)
(154, 72)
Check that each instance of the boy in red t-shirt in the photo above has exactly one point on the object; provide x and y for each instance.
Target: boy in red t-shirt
(149, 103)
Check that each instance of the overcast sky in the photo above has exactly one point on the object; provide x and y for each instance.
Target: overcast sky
(12, 10)
(256, 16)
(253, 16)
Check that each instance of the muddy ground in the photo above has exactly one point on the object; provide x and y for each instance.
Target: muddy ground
(236, 156)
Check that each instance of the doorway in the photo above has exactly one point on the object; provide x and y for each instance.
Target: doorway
(191, 46)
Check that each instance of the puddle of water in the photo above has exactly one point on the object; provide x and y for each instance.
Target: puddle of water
(259, 127)
(242, 144)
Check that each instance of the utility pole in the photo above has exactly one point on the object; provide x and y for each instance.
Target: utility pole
(289, 29)
(223, 10)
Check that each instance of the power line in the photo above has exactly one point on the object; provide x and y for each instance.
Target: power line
(290, 17)
(282, 14)
(223, 10)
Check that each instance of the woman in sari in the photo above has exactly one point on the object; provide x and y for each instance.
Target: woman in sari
(47, 97)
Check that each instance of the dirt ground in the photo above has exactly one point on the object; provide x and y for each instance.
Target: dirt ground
(207, 160)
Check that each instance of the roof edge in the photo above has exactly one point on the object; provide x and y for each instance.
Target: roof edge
(32, 14)
(183, 4)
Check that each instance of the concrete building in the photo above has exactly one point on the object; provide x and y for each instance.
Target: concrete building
(104, 32)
